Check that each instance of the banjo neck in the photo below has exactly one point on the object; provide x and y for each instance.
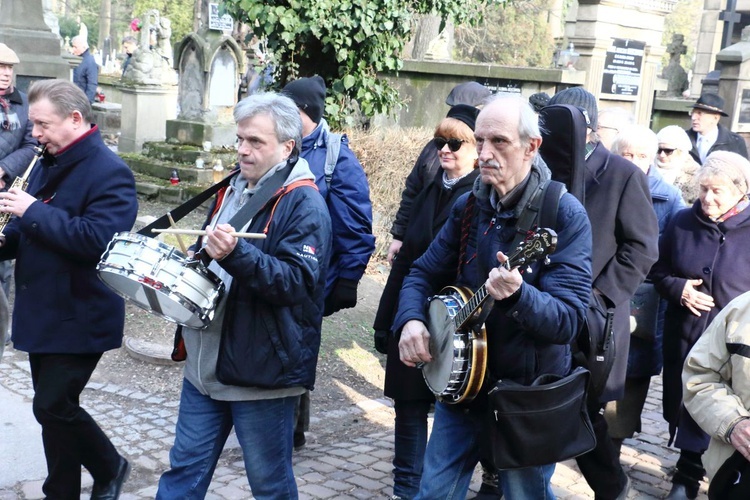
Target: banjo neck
(539, 245)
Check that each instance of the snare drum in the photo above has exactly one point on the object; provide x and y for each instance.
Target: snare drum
(160, 279)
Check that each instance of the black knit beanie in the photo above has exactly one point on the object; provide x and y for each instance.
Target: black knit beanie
(581, 98)
(309, 94)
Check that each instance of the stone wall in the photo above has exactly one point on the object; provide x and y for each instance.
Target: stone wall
(424, 85)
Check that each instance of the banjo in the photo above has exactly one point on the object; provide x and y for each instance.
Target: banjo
(458, 341)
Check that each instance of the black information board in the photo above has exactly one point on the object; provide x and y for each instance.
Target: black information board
(622, 67)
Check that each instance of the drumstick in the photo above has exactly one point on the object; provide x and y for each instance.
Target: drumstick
(179, 238)
(201, 232)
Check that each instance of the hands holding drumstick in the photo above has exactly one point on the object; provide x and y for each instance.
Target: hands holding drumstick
(219, 242)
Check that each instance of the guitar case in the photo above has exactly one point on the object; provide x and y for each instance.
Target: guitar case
(563, 149)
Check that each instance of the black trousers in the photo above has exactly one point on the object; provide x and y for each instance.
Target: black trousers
(601, 466)
(70, 436)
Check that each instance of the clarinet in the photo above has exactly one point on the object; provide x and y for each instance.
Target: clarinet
(21, 183)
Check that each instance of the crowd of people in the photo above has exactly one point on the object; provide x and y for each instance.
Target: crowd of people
(663, 221)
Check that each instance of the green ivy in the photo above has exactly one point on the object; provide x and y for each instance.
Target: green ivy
(347, 42)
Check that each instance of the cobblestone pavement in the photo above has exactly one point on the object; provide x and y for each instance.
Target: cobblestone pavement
(142, 428)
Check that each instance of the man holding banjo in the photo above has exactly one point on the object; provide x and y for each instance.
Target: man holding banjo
(79, 195)
(535, 315)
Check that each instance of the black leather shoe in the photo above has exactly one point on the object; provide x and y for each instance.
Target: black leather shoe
(112, 489)
(680, 492)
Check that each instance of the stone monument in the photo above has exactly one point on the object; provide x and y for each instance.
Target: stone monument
(22, 28)
(209, 64)
(734, 84)
(149, 87)
(674, 73)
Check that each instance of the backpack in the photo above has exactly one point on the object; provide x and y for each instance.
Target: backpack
(564, 150)
(333, 147)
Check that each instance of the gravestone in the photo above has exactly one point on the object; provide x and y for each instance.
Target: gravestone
(23, 29)
(674, 73)
(209, 64)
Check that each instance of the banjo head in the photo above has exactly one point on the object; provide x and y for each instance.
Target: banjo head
(445, 375)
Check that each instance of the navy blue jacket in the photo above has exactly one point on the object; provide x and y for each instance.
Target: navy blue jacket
(532, 336)
(16, 142)
(86, 75)
(644, 358)
(349, 205)
(271, 332)
(695, 247)
(87, 195)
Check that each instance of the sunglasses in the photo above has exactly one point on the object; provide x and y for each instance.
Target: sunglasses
(666, 151)
(453, 144)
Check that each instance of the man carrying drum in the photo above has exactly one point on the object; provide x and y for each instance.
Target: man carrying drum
(79, 195)
(259, 353)
(534, 316)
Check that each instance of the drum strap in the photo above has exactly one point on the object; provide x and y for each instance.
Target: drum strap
(178, 213)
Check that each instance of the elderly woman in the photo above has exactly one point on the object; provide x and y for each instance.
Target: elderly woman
(639, 144)
(717, 383)
(674, 161)
(454, 140)
(703, 264)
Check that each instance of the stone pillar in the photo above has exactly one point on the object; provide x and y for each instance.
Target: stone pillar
(598, 22)
(145, 110)
(734, 84)
(23, 29)
(709, 43)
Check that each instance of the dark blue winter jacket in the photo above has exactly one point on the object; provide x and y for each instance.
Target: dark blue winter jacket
(531, 336)
(348, 201)
(86, 194)
(86, 75)
(271, 332)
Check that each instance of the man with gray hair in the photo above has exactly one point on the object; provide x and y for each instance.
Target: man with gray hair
(521, 340)
(86, 74)
(250, 365)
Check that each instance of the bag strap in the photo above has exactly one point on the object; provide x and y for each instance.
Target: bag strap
(180, 212)
(262, 196)
(332, 142)
(542, 207)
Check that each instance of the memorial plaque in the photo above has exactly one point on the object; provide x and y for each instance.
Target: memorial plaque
(622, 67)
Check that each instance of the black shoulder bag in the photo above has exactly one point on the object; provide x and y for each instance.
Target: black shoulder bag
(545, 422)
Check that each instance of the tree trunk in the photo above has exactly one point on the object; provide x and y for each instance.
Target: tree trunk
(428, 28)
(105, 22)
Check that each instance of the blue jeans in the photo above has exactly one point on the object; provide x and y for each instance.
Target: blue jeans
(454, 450)
(410, 440)
(264, 429)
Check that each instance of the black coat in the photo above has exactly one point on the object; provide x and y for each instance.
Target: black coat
(625, 237)
(434, 205)
(694, 247)
(726, 141)
(421, 174)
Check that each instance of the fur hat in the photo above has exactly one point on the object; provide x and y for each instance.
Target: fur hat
(7, 56)
(581, 98)
(470, 93)
(675, 136)
(711, 103)
(465, 113)
(309, 94)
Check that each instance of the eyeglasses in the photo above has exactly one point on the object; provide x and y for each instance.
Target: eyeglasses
(453, 144)
(666, 151)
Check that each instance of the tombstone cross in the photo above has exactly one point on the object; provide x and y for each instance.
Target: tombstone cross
(730, 17)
